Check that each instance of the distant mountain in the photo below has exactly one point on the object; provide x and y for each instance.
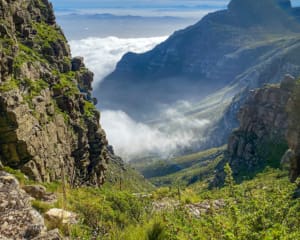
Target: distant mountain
(113, 16)
(236, 47)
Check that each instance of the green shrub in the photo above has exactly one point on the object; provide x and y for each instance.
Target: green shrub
(157, 232)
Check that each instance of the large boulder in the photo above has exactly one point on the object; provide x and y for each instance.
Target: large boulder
(59, 218)
(18, 220)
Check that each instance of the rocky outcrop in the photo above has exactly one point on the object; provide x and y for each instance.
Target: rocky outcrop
(260, 140)
(39, 192)
(293, 134)
(18, 219)
(48, 123)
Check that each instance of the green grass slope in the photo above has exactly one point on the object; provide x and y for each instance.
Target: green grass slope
(183, 170)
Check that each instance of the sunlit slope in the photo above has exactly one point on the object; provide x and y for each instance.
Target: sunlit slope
(184, 170)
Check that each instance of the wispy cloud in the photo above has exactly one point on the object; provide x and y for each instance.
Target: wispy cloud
(129, 137)
(132, 139)
(102, 54)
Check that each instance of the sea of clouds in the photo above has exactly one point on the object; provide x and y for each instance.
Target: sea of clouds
(102, 54)
(132, 139)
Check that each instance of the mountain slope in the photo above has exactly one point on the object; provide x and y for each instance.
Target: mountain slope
(203, 58)
(268, 128)
(48, 123)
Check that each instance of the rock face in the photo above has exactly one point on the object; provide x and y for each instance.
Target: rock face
(39, 192)
(48, 122)
(260, 140)
(242, 46)
(293, 133)
(18, 219)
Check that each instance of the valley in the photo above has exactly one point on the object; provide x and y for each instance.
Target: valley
(197, 137)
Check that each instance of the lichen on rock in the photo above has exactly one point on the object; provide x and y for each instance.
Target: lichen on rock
(261, 140)
(48, 121)
(18, 219)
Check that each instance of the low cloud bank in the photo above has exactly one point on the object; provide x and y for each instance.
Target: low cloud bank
(132, 139)
(102, 54)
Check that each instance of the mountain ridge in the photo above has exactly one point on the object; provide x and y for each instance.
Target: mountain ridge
(196, 61)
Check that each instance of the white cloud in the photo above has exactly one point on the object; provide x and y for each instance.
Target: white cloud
(132, 139)
(129, 138)
(102, 54)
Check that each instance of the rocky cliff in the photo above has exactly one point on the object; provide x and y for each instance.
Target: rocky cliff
(48, 122)
(242, 46)
(268, 127)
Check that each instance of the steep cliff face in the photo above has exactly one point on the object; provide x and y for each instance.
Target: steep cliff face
(292, 157)
(48, 122)
(261, 139)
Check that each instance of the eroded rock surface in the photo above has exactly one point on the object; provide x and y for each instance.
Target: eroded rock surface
(48, 122)
(261, 139)
(18, 220)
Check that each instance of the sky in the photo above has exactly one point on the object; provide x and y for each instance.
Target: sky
(61, 4)
(136, 3)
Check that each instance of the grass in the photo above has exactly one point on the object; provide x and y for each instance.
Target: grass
(9, 85)
(89, 109)
(260, 208)
(184, 170)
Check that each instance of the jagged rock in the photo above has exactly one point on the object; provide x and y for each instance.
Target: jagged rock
(48, 126)
(39, 192)
(58, 217)
(165, 204)
(260, 139)
(197, 209)
(18, 220)
(77, 63)
(293, 133)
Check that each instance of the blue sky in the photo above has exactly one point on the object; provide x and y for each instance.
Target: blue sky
(67, 4)
(136, 3)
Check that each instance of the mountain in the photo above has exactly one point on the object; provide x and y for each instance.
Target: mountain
(236, 47)
(267, 135)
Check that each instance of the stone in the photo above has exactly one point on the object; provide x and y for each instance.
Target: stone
(77, 63)
(18, 219)
(50, 235)
(198, 209)
(39, 192)
(58, 217)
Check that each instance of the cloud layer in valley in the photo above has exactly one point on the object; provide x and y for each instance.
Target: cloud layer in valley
(102, 54)
(132, 139)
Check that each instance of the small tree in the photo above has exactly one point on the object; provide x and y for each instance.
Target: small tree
(229, 180)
